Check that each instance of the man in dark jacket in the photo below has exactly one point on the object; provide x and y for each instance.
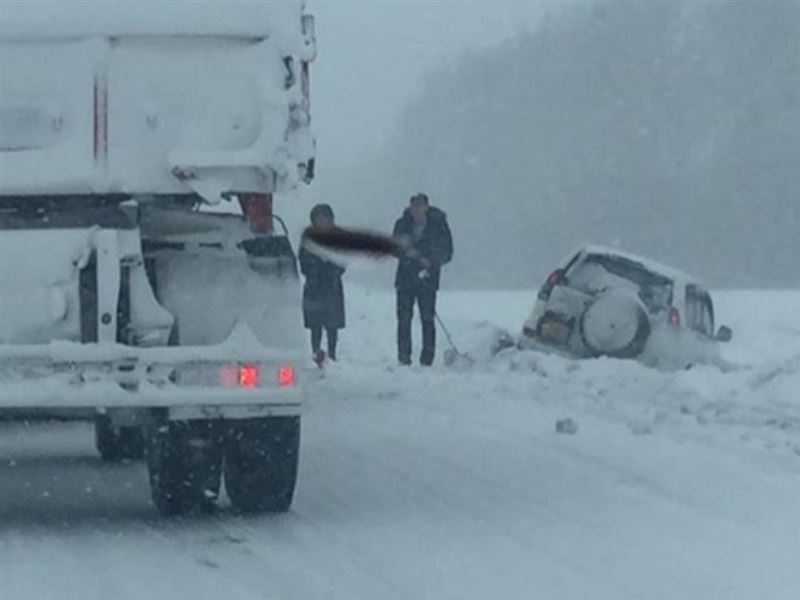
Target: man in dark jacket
(424, 233)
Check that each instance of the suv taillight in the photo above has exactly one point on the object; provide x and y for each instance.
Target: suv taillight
(674, 317)
(552, 281)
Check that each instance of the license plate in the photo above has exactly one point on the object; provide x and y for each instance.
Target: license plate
(555, 331)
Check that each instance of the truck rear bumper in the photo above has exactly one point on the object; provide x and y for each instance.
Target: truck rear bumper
(120, 377)
(49, 394)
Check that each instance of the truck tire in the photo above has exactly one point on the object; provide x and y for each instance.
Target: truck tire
(615, 324)
(184, 463)
(261, 460)
(117, 443)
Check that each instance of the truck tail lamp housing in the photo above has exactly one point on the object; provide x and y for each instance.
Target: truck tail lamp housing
(257, 209)
(286, 376)
(246, 376)
(250, 376)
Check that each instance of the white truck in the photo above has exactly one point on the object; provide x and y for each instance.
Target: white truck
(129, 285)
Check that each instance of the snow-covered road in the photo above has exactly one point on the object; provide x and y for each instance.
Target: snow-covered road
(453, 484)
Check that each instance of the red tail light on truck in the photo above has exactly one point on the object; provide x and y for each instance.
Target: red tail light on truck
(286, 376)
(248, 376)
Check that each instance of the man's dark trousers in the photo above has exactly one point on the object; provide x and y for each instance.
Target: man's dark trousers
(425, 297)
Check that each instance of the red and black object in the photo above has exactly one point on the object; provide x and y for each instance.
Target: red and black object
(355, 240)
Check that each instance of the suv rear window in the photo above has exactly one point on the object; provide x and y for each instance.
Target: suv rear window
(598, 272)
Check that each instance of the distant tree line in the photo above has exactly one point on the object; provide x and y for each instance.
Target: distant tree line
(667, 128)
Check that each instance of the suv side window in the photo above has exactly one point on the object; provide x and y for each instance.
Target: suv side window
(699, 311)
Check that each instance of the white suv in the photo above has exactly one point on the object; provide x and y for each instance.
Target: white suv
(603, 302)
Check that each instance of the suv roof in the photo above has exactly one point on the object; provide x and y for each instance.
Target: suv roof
(670, 272)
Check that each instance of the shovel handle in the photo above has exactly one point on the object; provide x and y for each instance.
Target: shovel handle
(446, 333)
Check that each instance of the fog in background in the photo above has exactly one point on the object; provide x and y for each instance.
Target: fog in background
(670, 129)
(373, 57)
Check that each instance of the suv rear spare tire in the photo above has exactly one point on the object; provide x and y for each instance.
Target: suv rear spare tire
(615, 324)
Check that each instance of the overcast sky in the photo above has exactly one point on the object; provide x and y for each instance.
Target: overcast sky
(372, 54)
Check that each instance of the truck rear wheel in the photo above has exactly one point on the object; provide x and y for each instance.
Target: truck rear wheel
(117, 443)
(261, 460)
(184, 462)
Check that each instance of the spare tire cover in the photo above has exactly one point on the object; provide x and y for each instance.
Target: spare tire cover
(615, 324)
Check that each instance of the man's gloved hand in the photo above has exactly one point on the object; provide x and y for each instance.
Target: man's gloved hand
(415, 254)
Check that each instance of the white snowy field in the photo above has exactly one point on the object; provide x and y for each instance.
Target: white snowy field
(452, 483)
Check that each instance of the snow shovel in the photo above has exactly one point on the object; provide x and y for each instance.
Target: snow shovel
(452, 356)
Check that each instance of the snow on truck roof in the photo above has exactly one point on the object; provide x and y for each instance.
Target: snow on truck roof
(79, 18)
(649, 264)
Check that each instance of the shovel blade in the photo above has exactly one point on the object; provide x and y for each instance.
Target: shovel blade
(450, 357)
(454, 358)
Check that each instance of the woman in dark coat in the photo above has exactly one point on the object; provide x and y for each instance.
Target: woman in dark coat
(323, 293)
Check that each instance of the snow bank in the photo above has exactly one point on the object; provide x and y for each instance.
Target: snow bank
(755, 405)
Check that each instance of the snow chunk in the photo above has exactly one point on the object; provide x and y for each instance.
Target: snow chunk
(566, 426)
